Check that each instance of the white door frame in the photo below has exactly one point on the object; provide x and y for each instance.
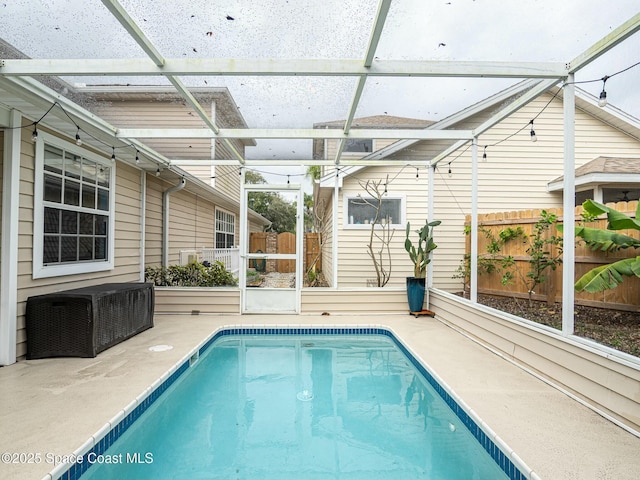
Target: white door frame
(270, 300)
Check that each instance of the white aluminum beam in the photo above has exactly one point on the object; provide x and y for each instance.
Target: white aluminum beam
(514, 106)
(617, 36)
(138, 67)
(568, 207)
(130, 26)
(294, 162)
(294, 133)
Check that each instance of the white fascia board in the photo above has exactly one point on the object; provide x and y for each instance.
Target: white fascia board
(280, 67)
(293, 133)
(597, 179)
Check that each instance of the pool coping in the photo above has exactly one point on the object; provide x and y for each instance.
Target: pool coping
(78, 462)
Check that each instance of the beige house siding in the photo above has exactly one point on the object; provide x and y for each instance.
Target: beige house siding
(145, 113)
(127, 239)
(227, 179)
(514, 177)
(191, 222)
(1, 190)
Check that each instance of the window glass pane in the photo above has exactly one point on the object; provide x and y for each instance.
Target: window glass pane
(51, 220)
(85, 251)
(69, 249)
(88, 171)
(361, 213)
(390, 211)
(71, 193)
(86, 224)
(103, 176)
(72, 166)
(103, 199)
(52, 189)
(52, 159)
(622, 194)
(69, 222)
(101, 248)
(581, 197)
(88, 196)
(358, 145)
(50, 249)
(101, 225)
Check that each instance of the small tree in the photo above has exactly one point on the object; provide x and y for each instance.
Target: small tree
(380, 234)
(539, 246)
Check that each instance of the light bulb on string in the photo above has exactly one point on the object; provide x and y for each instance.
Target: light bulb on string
(417, 173)
(137, 156)
(78, 139)
(450, 174)
(158, 172)
(602, 101)
(533, 133)
(113, 154)
(484, 154)
(34, 135)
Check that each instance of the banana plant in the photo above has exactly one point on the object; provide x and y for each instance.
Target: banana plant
(420, 255)
(611, 275)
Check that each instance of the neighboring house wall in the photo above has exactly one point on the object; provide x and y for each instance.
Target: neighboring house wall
(127, 238)
(191, 223)
(164, 112)
(332, 148)
(514, 177)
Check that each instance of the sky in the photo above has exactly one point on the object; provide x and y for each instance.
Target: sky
(447, 30)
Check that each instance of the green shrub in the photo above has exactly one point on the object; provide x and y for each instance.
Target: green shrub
(192, 275)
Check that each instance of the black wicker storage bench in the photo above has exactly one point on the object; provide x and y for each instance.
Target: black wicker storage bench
(85, 321)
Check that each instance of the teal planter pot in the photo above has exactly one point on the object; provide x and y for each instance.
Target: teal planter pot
(415, 293)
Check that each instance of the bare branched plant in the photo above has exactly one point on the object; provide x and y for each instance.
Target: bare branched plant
(381, 234)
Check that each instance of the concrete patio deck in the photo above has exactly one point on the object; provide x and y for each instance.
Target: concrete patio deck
(53, 406)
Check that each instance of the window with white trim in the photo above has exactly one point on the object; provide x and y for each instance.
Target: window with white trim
(225, 229)
(73, 210)
(358, 145)
(361, 213)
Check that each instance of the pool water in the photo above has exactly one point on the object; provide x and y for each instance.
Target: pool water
(303, 407)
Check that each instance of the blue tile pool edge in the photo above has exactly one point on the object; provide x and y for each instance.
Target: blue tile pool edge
(97, 444)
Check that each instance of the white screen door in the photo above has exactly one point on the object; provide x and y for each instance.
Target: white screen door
(271, 270)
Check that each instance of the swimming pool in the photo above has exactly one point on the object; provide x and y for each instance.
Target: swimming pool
(299, 403)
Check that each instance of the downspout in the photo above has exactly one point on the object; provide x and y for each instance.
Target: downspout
(165, 219)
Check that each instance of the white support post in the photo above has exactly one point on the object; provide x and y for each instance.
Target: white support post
(474, 221)
(430, 206)
(334, 239)
(143, 221)
(568, 252)
(10, 215)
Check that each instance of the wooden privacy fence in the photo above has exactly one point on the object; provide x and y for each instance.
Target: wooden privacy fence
(624, 297)
(271, 242)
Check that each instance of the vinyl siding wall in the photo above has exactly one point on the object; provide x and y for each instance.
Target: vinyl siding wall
(127, 239)
(514, 177)
(191, 222)
(164, 113)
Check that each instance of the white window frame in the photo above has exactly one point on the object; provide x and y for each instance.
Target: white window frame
(46, 271)
(216, 231)
(364, 226)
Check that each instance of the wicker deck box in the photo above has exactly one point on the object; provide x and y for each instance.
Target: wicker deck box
(85, 321)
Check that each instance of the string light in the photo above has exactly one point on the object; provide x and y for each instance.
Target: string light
(78, 139)
(602, 101)
(450, 174)
(137, 156)
(417, 173)
(533, 133)
(484, 154)
(113, 154)
(158, 172)
(34, 135)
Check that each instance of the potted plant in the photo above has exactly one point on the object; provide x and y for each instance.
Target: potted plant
(420, 256)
